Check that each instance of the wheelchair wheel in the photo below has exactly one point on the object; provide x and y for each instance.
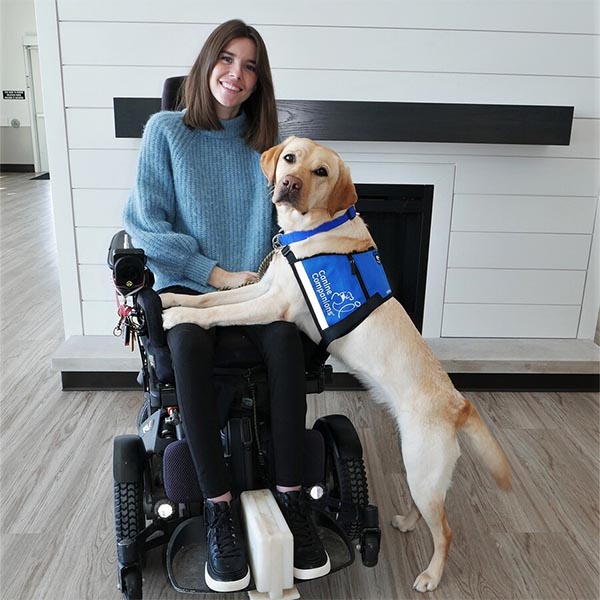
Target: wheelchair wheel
(346, 477)
(129, 510)
(132, 585)
(369, 548)
(128, 472)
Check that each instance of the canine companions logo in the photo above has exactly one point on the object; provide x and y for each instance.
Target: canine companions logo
(338, 285)
(344, 303)
(334, 304)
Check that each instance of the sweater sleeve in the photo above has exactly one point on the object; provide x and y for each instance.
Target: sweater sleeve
(150, 211)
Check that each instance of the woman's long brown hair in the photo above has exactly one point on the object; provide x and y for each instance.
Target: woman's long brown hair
(260, 108)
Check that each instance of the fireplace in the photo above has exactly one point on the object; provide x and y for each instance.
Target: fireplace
(399, 219)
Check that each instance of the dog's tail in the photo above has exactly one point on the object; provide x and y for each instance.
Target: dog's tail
(486, 446)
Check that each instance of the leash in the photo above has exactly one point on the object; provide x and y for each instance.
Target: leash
(262, 269)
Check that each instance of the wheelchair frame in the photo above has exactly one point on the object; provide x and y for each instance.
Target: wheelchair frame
(339, 495)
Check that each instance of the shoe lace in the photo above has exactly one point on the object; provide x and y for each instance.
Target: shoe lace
(224, 534)
(299, 521)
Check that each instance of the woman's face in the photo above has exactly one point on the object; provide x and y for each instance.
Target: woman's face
(233, 77)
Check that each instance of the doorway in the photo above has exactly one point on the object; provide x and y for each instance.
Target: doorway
(36, 103)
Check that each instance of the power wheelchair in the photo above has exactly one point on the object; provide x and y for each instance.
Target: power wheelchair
(157, 500)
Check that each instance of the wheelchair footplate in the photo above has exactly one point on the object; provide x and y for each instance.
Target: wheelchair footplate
(187, 552)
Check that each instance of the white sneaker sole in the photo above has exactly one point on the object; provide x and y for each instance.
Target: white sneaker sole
(313, 573)
(226, 586)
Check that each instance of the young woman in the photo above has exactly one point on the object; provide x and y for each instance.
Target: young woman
(200, 209)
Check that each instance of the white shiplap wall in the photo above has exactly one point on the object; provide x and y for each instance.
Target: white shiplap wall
(521, 218)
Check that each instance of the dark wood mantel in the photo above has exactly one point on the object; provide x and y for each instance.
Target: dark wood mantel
(393, 121)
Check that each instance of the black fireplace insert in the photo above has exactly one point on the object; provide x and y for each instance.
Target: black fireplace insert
(399, 219)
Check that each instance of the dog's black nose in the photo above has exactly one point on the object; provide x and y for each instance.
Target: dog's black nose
(293, 184)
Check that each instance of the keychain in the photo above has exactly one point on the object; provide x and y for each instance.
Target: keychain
(117, 331)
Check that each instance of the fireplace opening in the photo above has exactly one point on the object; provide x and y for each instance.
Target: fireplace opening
(399, 219)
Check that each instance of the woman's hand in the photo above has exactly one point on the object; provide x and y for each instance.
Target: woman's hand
(220, 278)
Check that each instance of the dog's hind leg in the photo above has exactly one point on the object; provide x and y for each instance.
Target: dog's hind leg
(429, 461)
(434, 514)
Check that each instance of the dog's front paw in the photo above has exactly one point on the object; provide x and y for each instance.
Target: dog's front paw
(426, 582)
(180, 314)
(168, 300)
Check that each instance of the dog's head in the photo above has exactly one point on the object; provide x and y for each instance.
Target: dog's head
(308, 176)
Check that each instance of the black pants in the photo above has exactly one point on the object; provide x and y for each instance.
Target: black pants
(192, 352)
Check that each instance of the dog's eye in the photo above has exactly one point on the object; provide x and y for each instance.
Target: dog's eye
(289, 158)
(321, 172)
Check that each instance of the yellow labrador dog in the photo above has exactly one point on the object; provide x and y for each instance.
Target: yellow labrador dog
(313, 187)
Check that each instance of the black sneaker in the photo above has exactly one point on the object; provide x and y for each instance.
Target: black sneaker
(310, 558)
(227, 567)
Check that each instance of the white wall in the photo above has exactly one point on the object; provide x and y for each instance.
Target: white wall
(521, 218)
(17, 19)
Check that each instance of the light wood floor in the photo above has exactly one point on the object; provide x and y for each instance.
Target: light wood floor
(539, 541)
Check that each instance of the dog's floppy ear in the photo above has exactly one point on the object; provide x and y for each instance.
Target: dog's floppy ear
(269, 158)
(344, 193)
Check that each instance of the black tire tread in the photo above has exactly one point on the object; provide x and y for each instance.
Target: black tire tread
(353, 487)
(129, 513)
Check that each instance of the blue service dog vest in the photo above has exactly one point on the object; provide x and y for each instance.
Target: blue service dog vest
(341, 290)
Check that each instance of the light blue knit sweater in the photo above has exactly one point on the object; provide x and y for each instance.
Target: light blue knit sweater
(200, 199)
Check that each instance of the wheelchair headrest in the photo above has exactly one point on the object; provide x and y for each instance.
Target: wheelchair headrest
(172, 94)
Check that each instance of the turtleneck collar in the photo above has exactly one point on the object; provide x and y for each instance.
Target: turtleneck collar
(235, 127)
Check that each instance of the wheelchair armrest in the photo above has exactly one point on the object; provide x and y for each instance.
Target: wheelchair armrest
(149, 302)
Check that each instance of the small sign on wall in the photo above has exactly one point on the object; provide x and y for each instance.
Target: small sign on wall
(13, 94)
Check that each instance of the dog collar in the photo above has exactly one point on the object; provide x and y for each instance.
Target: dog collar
(285, 239)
